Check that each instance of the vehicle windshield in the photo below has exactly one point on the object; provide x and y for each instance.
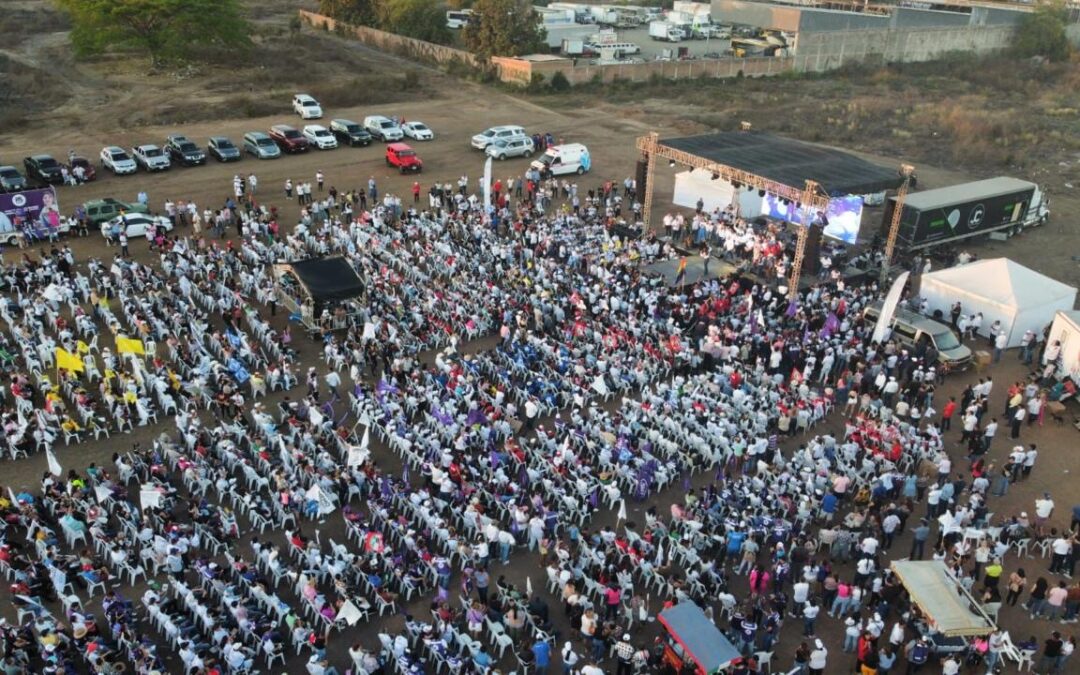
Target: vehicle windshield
(291, 133)
(152, 152)
(119, 156)
(946, 340)
(310, 104)
(353, 128)
(46, 162)
(265, 142)
(419, 127)
(224, 144)
(487, 134)
(188, 147)
(387, 124)
(8, 172)
(406, 153)
(321, 132)
(547, 159)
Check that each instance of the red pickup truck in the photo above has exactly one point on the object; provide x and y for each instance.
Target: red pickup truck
(403, 157)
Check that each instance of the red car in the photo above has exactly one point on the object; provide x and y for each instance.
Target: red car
(403, 157)
(89, 172)
(288, 138)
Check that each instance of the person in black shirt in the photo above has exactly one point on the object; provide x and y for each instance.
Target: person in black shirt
(1051, 652)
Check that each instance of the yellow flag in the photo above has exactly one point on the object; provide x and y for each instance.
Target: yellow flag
(82, 347)
(129, 345)
(68, 361)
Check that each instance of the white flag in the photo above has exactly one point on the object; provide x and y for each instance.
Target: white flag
(487, 184)
(528, 580)
(356, 456)
(149, 498)
(660, 552)
(366, 440)
(102, 493)
(622, 509)
(350, 613)
(369, 330)
(888, 309)
(54, 466)
(600, 386)
(59, 579)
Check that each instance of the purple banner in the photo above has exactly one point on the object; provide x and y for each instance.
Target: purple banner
(36, 207)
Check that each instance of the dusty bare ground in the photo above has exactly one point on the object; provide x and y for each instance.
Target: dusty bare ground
(117, 101)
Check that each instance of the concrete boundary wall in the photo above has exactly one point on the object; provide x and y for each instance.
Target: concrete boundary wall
(815, 52)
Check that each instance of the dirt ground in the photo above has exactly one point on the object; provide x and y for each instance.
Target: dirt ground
(456, 110)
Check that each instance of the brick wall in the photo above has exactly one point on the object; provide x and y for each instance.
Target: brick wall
(392, 42)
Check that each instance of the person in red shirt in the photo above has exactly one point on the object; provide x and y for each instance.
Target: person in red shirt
(947, 414)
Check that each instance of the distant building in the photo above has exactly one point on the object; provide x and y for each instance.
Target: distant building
(824, 35)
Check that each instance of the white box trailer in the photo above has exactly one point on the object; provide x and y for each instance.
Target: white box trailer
(662, 30)
(558, 33)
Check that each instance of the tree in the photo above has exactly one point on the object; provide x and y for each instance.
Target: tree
(420, 19)
(504, 28)
(360, 12)
(1042, 33)
(165, 29)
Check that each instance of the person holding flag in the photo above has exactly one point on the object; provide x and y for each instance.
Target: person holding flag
(680, 276)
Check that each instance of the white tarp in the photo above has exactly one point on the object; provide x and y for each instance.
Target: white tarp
(1066, 329)
(948, 608)
(892, 299)
(1003, 290)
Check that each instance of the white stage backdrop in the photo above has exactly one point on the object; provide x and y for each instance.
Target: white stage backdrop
(693, 185)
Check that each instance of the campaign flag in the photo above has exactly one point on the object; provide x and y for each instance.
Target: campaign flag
(660, 552)
(54, 466)
(444, 418)
(129, 345)
(622, 509)
(349, 613)
(792, 309)
(600, 386)
(680, 276)
(528, 586)
(82, 347)
(149, 498)
(102, 493)
(357, 455)
(888, 309)
(68, 361)
(476, 416)
(369, 330)
(487, 183)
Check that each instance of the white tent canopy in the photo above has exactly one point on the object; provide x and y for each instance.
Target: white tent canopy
(1003, 290)
(1066, 329)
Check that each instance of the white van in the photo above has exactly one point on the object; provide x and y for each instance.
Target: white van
(563, 159)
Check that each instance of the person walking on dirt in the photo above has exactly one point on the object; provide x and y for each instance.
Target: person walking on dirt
(319, 178)
(288, 188)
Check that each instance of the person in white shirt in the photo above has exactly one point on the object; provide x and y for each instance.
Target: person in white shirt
(818, 658)
(1043, 509)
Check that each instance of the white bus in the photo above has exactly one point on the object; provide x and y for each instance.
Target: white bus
(458, 18)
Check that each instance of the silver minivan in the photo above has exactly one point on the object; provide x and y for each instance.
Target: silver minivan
(910, 329)
(260, 145)
(515, 146)
(481, 140)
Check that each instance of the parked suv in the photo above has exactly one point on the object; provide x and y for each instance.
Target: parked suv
(223, 148)
(261, 146)
(515, 146)
(184, 151)
(289, 138)
(117, 160)
(11, 180)
(383, 128)
(403, 157)
(349, 132)
(481, 140)
(912, 330)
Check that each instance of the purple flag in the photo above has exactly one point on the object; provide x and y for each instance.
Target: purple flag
(405, 473)
(476, 416)
(443, 417)
(686, 484)
(383, 386)
(594, 498)
(494, 458)
(792, 309)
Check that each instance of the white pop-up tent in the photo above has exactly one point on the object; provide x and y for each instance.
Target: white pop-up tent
(1003, 290)
(1066, 329)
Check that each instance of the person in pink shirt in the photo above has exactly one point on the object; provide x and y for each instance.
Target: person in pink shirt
(1055, 600)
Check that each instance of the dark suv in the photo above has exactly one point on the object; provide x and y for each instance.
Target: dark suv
(184, 151)
(43, 169)
(288, 138)
(347, 131)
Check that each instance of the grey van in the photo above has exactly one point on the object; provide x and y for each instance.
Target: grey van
(261, 145)
(910, 329)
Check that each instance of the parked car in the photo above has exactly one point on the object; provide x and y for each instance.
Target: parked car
(101, 210)
(261, 146)
(481, 140)
(116, 159)
(418, 131)
(138, 225)
(320, 137)
(43, 169)
(349, 132)
(288, 138)
(151, 157)
(184, 151)
(403, 157)
(515, 146)
(223, 149)
(89, 173)
(383, 128)
(306, 107)
(11, 180)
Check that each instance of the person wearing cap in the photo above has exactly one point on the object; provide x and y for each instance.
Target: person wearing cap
(624, 651)
(818, 658)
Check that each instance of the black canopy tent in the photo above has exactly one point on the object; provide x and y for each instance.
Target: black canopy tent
(317, 283)
(790, 162)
